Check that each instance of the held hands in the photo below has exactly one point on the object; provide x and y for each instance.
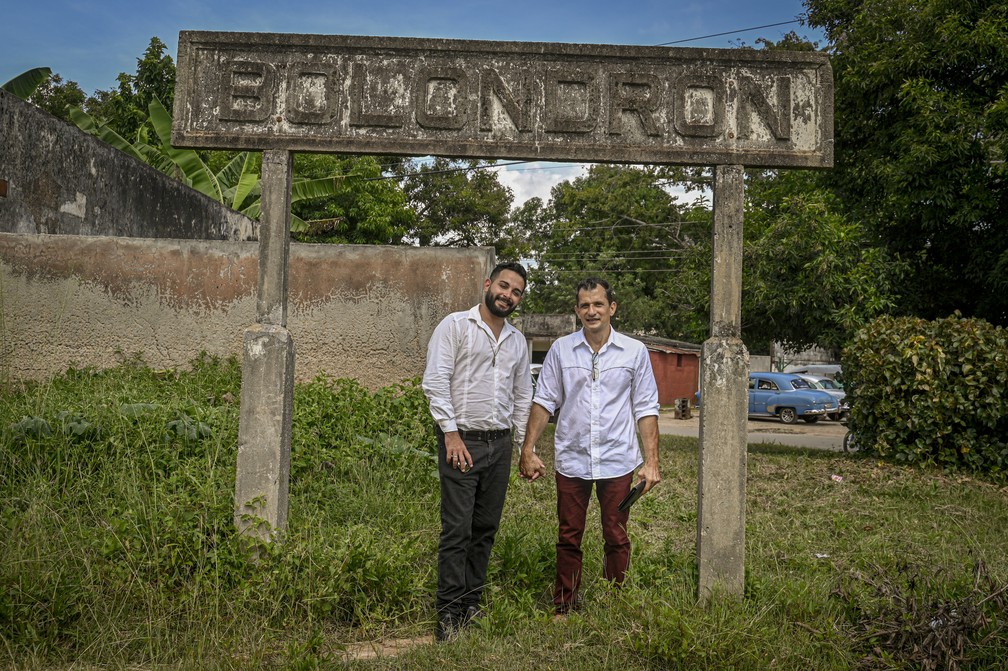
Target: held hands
(530, 466)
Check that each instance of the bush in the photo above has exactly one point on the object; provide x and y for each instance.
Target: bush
(117, 491)
(931, 392)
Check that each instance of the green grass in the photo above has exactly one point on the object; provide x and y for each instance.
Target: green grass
(117, 549)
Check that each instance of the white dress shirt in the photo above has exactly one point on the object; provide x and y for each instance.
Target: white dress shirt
(475, 381)
(598, 405)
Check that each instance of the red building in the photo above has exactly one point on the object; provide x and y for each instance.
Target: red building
(676, 368)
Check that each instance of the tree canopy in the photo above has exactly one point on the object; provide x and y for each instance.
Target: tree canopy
(457, 203)
(124, 108)
(921, 137)
(618, 223)
(811, 276)
(368, 208)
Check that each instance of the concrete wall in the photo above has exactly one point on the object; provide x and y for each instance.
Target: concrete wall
(102, 257)
(357, 311)
(60, 180)
(541, 330)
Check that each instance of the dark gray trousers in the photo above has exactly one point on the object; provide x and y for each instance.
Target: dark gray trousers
(471, 505)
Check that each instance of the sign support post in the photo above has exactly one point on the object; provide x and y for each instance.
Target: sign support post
(262, 480)
(723, 388)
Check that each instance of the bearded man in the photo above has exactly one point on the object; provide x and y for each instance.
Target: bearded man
(479, 386)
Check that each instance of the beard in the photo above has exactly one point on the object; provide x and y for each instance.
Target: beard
(491, 304)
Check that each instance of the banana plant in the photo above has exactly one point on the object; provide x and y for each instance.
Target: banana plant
(236, 185)
(27, 82)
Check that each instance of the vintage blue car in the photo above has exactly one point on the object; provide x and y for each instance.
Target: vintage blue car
(789, 397)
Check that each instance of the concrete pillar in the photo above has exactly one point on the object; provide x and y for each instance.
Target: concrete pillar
(723, 391)
(262, 480)
(274, 237)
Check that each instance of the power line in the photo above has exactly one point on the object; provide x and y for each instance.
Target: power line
(640, 255)
(626, 252)
(626, 264)
(589, 271)
(730, 32)
(607, 227)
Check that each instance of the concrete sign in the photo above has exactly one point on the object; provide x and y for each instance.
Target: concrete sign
(520, 100)
(541, 101)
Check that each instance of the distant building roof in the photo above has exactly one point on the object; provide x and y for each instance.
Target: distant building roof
(668, 346)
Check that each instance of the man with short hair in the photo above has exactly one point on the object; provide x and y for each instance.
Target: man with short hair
(479, 386)
(601, 385)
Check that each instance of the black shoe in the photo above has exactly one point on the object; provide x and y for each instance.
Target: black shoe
(447, 628)
(471, 614)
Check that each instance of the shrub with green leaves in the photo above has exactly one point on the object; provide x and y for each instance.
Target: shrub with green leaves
(933, 392)
(117, 490)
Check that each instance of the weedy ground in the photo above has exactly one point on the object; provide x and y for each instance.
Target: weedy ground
(117, 547)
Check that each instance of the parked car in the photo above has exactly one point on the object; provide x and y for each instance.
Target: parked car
(830, 370)
(788, 397)
(834, 389)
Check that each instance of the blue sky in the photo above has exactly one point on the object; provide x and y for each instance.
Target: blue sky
(92, 41)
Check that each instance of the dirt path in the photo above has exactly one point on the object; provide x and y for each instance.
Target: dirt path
(385, 648)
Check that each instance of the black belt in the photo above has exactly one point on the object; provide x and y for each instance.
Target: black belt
(484, 436)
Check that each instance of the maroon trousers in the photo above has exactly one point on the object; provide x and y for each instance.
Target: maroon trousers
(573, 495)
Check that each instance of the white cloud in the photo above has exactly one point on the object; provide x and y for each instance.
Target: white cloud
(527, 180)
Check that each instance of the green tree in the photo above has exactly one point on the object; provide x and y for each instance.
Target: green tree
(527, 225)
(812, 273)
(618, 223)
(125, 108)
(57, 97)
(368, 208)
(457, 203)
(811, 276)
(921, 138)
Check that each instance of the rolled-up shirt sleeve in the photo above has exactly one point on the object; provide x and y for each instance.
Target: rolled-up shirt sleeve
(549, 387)
(645, 389)
(438, 375)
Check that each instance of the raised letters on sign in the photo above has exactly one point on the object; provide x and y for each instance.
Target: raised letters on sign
(508, 100)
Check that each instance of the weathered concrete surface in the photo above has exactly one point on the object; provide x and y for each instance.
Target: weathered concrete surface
(262, 480)
(264, 431)
(722, 469)
(723, 388)
(523, 100)
(357, 311)
(61, 180)
(549, 325)
(726, 252)
(274, 238)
